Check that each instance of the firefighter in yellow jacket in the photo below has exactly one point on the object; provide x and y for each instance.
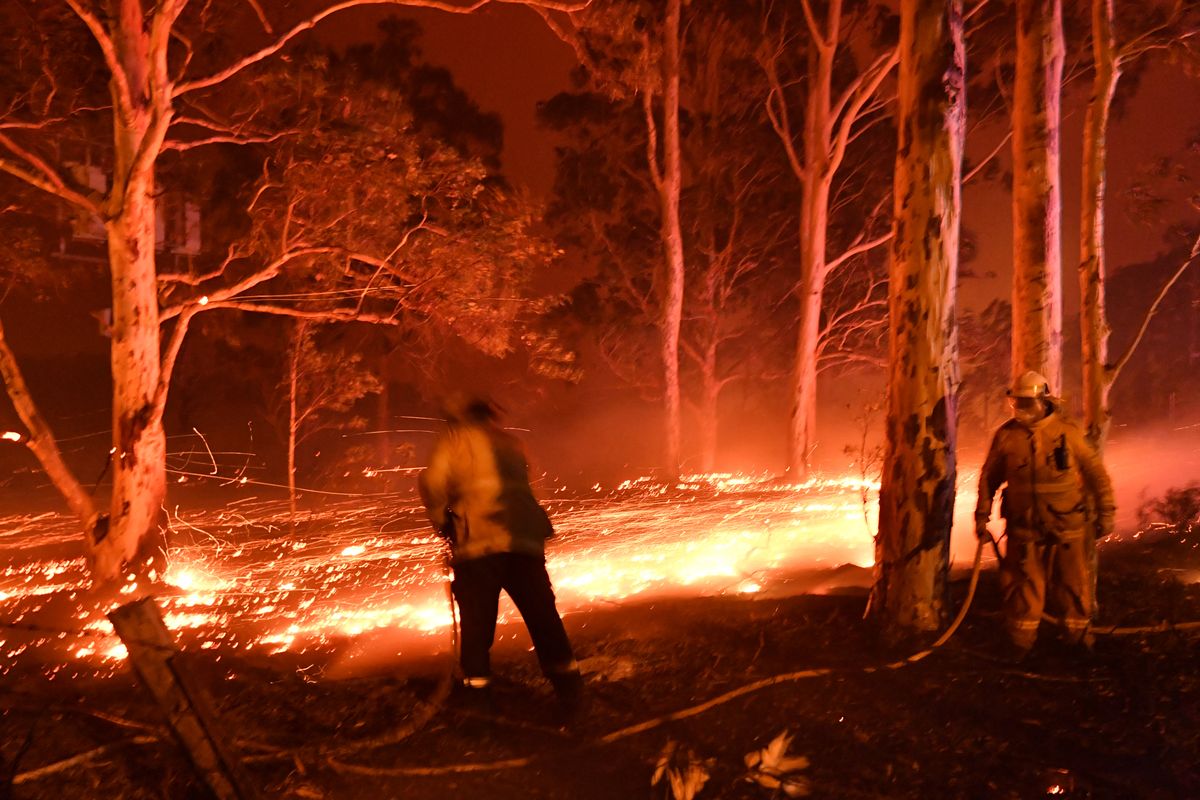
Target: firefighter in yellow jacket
(1057, 501)
(477, 493)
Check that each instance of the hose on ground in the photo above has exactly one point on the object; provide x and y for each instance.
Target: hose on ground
(650, 724)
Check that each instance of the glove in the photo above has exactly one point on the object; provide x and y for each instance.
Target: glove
(981, 531)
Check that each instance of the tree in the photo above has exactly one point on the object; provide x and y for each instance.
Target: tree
(736, 207)
(628, 48)
(833, 118)
(983, 342)
(1037, 192)
(916, 498)
(160, 66)
(1175, 29)
(320, 385)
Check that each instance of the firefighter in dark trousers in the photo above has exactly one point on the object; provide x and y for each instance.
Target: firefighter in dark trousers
(1057, 502)
(477, 493)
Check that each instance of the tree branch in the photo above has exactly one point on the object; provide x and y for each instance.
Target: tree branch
(857, 249)
(330, 315)
(776, 107)
(1116, 368)
(121, 89)
(281, 42)
(814, 27)
(41, 439)
(651, 138)
(868, 84)
(987, 159)
(223, 139)
(174, 345)
(49, 180)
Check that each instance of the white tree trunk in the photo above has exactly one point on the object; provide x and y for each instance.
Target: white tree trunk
(139, 442)
(1037, 202)
(670, 189)
(814, 224)
(293, 421)
(916, 499)
(815, 220)
(1093, 321)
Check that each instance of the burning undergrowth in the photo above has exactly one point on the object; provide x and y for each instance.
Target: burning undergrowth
(250, 579)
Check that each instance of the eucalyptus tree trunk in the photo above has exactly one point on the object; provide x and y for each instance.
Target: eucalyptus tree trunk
(828, 129)
(293, 419)
(139, 442)
(670, 187)
(709, 406)
(916, 498)
(1037, 201)
(1093, 321)
(814, 224)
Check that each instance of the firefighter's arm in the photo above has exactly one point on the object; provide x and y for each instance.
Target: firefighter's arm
(991, 476)
(434, 484)
(1097, 481)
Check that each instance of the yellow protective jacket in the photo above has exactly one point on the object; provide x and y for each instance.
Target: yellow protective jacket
(1057, 484)
(476, 491)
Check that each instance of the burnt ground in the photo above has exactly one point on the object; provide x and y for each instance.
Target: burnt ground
(1122, 723)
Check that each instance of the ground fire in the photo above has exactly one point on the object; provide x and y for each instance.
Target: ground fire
(250, 578)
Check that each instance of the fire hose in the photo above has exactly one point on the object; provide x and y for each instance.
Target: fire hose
(430, 707)
(691, 711)
(749, 688)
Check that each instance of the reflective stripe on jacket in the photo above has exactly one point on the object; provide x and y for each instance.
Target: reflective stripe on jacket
(478, 473)
(1056, 480)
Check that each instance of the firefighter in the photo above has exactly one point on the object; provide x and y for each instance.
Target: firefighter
(477, 494)
(1058, 501)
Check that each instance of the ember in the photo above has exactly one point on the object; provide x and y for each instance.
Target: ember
(241, 579)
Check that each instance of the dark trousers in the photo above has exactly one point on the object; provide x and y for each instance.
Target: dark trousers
(477, 585)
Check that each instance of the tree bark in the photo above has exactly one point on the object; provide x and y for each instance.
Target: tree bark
(815, 221)
(916, 499)
(1037, 202)
(139, 441)
(1093, 320)
(814, 224)
(293, 422)
(670, 189)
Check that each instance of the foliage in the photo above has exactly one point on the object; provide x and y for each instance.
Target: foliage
(681, 771)
(984, 344)
(329, 382)
(1161, 379)
(774, 769)
(735, 214)
(1178, 509)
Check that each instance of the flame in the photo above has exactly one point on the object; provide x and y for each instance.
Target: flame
(242, 578)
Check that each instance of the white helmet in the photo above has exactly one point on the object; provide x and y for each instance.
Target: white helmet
(1031, 384)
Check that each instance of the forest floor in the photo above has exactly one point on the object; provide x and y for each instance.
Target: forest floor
(1123, 722)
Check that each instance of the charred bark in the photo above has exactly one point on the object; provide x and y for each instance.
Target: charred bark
(916, 499)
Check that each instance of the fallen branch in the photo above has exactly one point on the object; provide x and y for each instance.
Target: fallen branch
(77, 760)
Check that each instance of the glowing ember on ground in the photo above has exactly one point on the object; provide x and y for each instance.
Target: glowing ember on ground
(244, 579)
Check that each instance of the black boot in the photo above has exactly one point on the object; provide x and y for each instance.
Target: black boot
(474, 700)
(568, 689)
